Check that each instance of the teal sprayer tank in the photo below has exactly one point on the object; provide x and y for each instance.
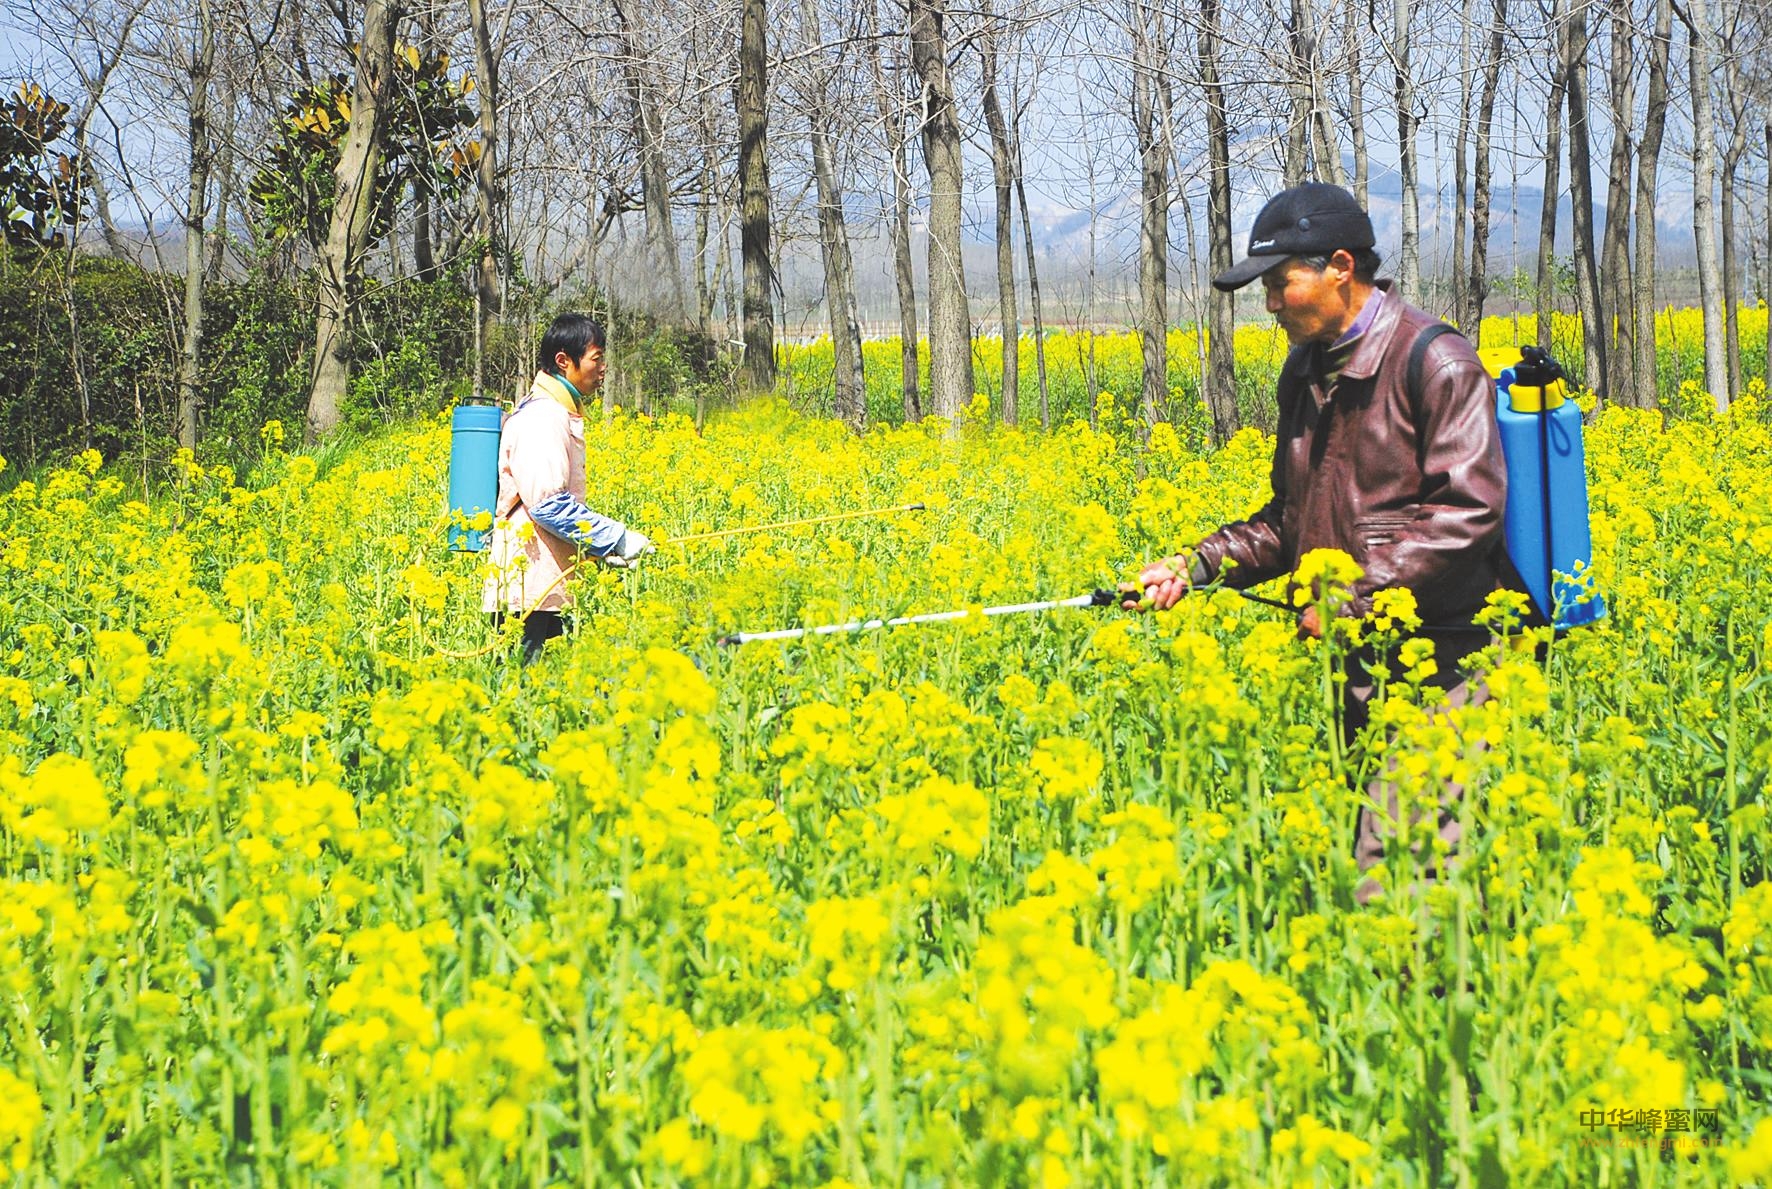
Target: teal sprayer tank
(1548, 538)
(473, 472)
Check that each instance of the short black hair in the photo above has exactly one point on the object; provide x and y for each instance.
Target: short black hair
(571, 333)
(1366, 262)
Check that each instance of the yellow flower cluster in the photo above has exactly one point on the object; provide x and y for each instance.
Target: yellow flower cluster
(296, 888)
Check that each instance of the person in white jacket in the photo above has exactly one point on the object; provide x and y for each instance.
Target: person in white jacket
(542, 525)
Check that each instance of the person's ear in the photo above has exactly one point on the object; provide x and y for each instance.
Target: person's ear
(562, 361)
(1344, 261)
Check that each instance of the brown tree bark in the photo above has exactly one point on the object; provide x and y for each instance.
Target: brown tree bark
(753, 182)
(1221, 378)
(655, 178)
(1704, 181)
(1733, 152)
(1460, 147)
(1480, 196)
(1358, 20)
(1003, 178)
(889, 97)
(488, 291)
(1027, 239)
(1546, 297)
(849, 397)
(199, 73)
(347, 239)
(1645, 390)
(1581, 196)
(1409, 249)
(1153, 244)
(950, 318)
(1615, 288)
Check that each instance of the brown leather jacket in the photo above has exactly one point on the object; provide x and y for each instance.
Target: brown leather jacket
(1410, 485)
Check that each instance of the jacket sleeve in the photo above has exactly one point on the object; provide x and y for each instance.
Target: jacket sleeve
(541, 465)
(1253, 545)
(574, 521)
(1464, 483)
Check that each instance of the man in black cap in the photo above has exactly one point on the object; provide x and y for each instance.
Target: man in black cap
(1387, 449)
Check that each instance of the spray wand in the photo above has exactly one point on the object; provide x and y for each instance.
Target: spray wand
(691, 538)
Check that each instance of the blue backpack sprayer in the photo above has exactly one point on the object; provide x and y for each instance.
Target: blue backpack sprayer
(1546, 523)
(473, 472)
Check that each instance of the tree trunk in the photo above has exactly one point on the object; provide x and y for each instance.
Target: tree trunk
(1479, 270)
(347, 238)
(1646, 394)
(753, 181)
(1359, 17)
(889, 100)
(1615, 247)
(424, 257)
(1546, 297)
(1732, 155)
(190, 395)
(1325, 146)
(950, 317)
(1220, 378)
(1409, 252)
(488, 292)
(1298, 82)
(655, 179)
(849, 401)
(1003, 175)
(1027, 239)
(1581, 198)
(1460, 206)
(1153, 244)
(1704, 181)
(223, 174)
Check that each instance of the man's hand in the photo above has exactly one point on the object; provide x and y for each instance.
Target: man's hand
(1165, 583)
(1310, 623)
(633, 544)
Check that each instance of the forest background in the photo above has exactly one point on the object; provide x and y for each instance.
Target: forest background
(236, 211)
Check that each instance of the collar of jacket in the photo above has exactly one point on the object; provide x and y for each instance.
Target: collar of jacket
(556, 390)
(1372, 346)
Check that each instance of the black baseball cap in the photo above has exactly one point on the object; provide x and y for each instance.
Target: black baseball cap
(1309, 220)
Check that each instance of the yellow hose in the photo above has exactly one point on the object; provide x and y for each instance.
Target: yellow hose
(729, 532)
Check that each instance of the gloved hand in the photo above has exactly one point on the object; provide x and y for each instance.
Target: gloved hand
(634, 544)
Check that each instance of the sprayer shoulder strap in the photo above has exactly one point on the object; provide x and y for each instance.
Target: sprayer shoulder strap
(1418, 355)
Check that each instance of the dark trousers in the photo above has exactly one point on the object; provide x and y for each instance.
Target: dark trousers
(1381, 816)
(538, 628)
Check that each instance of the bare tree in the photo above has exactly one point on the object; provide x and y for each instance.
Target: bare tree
(1409, 251)
(1358, 19)
(1581, 193)
(1615, 288)
(950, 319)
(1734, 150)
(753, 179)
(1220, 379)
(1704, 181)
(347, 240)
(1644, 393)
(201, 67)
(1480, 195)
(850, 395)
(1027, 238)
(655, 178)
(488, 291)
(1149, 72)
(1003, 174)
(1545, 299)
(888, 99)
